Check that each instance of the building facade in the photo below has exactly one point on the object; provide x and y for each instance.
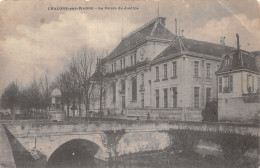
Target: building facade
(183, 78)
(128, 68)
(166, 75)
(238, 87)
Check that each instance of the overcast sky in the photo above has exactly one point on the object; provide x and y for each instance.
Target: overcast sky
(33, 38)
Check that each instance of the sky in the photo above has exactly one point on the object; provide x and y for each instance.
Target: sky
(34, 39)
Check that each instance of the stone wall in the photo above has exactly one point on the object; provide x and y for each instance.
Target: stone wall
(236, 109)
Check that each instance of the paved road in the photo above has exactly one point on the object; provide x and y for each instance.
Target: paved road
(6, 156)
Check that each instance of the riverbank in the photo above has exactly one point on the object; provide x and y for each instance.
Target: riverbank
(169, 159)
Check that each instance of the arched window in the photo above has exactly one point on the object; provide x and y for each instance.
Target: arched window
(134, 89)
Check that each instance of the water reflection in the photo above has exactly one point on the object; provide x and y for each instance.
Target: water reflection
(75, 158)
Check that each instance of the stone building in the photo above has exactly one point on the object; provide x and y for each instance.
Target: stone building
(184, 77)
(128, 67)
(238, 86)
(166, 75)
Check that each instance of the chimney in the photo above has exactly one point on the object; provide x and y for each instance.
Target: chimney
(238, 45)
(176, 27)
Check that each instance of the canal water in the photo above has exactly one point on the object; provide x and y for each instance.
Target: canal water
(70, 159)
(74, 159)
(78, 157)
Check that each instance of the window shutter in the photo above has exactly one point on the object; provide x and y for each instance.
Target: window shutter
(231, 83)
(220, 84)
(247, 81)
(253, 83)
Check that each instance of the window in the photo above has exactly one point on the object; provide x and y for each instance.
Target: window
(134, 89)
(174, 97)
(142, 100)
(227, 61)
(123, 102)
(228, 84)
(123, 85)
(105, 69)
(250, 83)
(208, 92)
(115, 66)
(165, 98)
(231, 83)
(112, 65)
(134, 58)
(196, 97)
(165, 71)
(142, 76)
(208, 70)
(196, 68)
(220, 84)
(157, 98)
(131, 60)
(124, 62)
(121, 64)
(157, 73)
(174, 69)
(114, 93)
(253, 81)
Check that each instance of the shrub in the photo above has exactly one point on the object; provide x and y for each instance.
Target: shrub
(210, 112)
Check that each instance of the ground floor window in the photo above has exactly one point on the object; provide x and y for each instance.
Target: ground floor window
(123, 102)
(196, 97)
(165, 95)
(142, 100)
(157, 98)
(114, 92)
(208, 90)
(134, 89)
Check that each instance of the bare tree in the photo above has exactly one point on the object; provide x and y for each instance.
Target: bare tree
(10, 97)
(34, 97)
(63, 83)
(102, 85)
(85, 69)
(45, 90)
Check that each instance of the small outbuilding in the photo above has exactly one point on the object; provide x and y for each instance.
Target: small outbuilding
(56, 99)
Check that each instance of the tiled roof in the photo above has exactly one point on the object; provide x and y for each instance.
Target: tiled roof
(195, 46)
(241, 60)
(256, 53)
(153, 29)
(160, 32)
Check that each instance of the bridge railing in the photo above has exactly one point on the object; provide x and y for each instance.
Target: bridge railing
(42, 128)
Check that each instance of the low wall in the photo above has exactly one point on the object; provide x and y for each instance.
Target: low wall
(236, 109)
(6, 154)
(167, 113)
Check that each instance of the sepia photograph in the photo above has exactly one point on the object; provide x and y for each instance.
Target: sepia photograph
(129, 83)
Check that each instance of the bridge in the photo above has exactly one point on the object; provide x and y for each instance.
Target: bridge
(46, 138)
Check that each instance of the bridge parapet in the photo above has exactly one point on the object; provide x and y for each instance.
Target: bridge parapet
(46, 128)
